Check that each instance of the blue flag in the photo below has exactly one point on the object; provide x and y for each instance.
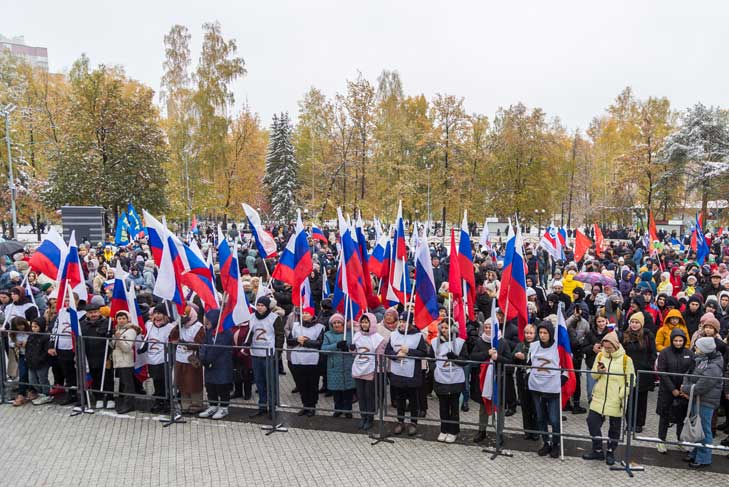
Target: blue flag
(122, 236)
(135, 223)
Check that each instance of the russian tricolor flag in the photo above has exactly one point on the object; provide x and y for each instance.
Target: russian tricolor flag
(170, 265)
(235, 305)
(71, 273)
(49, 255)
(512, 294)
(264, 241)
(465, 261)
(564, 349)
(399, 285)
(295, 264)
(306, 299)
(489, 384)
(199, 277)
(379, 261)
(350, 270)
(426, 296)
(317, 234)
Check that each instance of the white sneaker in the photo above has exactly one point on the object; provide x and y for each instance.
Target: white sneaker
(42, 399)
(220, 413)
(110, 404)
(451, 439)
(685, 448)
(661, 447)
(99, 404)
(208, 412)
(442, 437)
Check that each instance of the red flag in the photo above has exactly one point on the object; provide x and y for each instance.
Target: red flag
(598, 240)
(582, 243)
(454, 286)
(652, 233)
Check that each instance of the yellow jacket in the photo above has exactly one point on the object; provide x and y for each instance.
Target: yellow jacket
(663, 336)
(610, 391)
(569, 284)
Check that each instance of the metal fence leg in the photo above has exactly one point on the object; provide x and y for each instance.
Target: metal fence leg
(175, 414)
(625, 464)
(498, 450)
(3, 371)
(82, 395)
(271, 389)
(380, 394)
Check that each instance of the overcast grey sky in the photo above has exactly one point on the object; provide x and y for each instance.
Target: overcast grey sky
(570, 58)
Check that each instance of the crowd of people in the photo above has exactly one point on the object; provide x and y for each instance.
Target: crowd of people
(664, 314)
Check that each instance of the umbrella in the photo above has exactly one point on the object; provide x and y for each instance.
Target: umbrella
(595, 278)
(10, 247)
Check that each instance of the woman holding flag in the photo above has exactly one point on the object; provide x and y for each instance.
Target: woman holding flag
(304, 341)
(545, 383)
(449, 352)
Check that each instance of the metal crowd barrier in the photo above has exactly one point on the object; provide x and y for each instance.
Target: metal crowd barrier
(496, 425)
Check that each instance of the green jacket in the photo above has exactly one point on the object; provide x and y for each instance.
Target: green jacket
(609, 392)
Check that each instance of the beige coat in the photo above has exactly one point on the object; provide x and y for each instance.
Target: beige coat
(123, 348)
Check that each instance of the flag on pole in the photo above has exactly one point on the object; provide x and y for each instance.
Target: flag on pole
(454, 286)
(653, 234)
(702, 248)
(122, 236)
(551, 242)
(564, 349)
(72, 274)
(135, 223)
(199, 277)
(363, 256)
(512, 293)
(350, 270)
(399, 284)
(295, 264)
(49, 256)
(306, 298)
(465, 262)
(317, 234)
(379, 261)
(170, 266)
(582, 244)
(599, 240)
(426, 296)
(235, 307)
(264, 241)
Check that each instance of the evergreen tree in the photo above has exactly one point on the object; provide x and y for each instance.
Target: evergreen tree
(280, 178)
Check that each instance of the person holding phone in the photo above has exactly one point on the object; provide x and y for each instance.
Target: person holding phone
(612, 372)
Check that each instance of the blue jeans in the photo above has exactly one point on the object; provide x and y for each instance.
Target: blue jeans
(590, 385)
(703, 455)
(548, 412)
(466, 394)
(39, 379)
(259, 378)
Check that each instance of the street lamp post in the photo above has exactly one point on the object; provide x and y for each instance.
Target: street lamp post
(11, 180)
(428, 167)
(539, 213)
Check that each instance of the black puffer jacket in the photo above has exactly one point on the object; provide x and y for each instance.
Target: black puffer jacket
(36, 351)
(94, 346)
(677, 361)
(643, 355)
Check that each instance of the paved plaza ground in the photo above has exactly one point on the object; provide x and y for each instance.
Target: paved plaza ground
(43, 446)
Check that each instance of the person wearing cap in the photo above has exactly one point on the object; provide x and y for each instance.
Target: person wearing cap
(303, 342)
(95, 330)
(188, 372)
(613, 373)
(405, 347)
(158, 335)
(216, 357)
(713, 287)
(705, 380)
(265, 328)
(640, 345)
(123, 356)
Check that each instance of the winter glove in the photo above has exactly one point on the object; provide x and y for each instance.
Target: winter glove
(564, 379)
(451, 356)
(352, 347)
(342, 345)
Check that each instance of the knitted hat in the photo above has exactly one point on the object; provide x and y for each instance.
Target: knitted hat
(95, 303)
(161, 308)
(705, 345)
(638, 316)
(710, 319)
(336, 317)
(264, 300)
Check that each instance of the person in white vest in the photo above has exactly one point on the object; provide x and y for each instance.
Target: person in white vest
(63, 350)
(404, 349)
(545, 382)
(304, 339)
(367, 342)
(449, 352)
(158, 335)
(264, 327)
(188, 371)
